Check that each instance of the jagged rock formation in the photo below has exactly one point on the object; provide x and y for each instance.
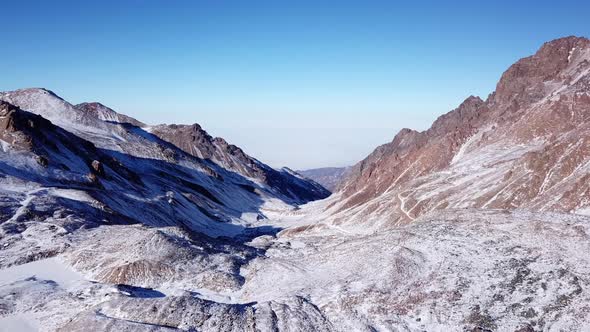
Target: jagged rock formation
(525, 146)
(16, 127)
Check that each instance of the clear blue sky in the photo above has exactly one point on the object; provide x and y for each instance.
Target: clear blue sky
(296, 83)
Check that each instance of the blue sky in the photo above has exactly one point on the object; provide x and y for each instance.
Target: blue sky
(296, 83)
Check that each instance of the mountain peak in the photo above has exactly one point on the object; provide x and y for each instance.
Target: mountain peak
(564, 42)
(525, 82)
(37, 91)
(471, 100)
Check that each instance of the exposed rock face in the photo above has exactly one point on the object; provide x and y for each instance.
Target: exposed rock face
(197, 142)
(15, 128)
(97, 167)
(556, 62)
(329, 177)
(28, 132)
(525, 146)
(107, 114)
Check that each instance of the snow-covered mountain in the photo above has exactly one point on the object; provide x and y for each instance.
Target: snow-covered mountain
(526, 146)
(129, 177)
(197, 142)
(476, 224)
(114, 131)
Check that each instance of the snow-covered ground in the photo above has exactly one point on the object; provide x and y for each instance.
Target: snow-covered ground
(47, 269)
(50, 269)
(449, 271)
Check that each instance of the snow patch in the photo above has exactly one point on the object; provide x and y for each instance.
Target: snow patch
(4, 145)
(18, 322)
(569, 56)
(46, 269)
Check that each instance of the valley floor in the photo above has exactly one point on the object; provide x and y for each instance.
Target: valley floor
(480, 270)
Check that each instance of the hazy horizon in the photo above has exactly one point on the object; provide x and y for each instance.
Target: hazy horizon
(302, 85)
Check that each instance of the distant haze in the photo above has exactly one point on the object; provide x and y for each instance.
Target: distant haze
(310, 147)
(300, 84)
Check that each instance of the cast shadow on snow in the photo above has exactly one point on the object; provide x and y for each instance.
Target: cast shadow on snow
(135, 192)
(140, 292)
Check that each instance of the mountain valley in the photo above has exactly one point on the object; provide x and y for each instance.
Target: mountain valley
(479, 223)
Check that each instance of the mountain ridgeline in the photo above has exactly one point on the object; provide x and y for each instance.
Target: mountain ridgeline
(197, 142)
(526, 146)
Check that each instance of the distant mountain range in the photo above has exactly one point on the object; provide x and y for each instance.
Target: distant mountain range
(328, 177)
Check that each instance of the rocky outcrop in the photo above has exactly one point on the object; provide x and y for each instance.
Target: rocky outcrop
(15, 127)
(526, 81)
(188, 313)
(24, 131)
(196, 141)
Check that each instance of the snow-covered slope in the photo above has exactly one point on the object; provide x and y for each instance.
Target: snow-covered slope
(104, 113)
(197, 142)
(176, 189)
(110, 130)
(455, 271)
(526, 146)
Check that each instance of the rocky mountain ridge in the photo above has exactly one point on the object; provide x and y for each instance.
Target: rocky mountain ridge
(197, 142)
(112, 130)
(525, 146)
